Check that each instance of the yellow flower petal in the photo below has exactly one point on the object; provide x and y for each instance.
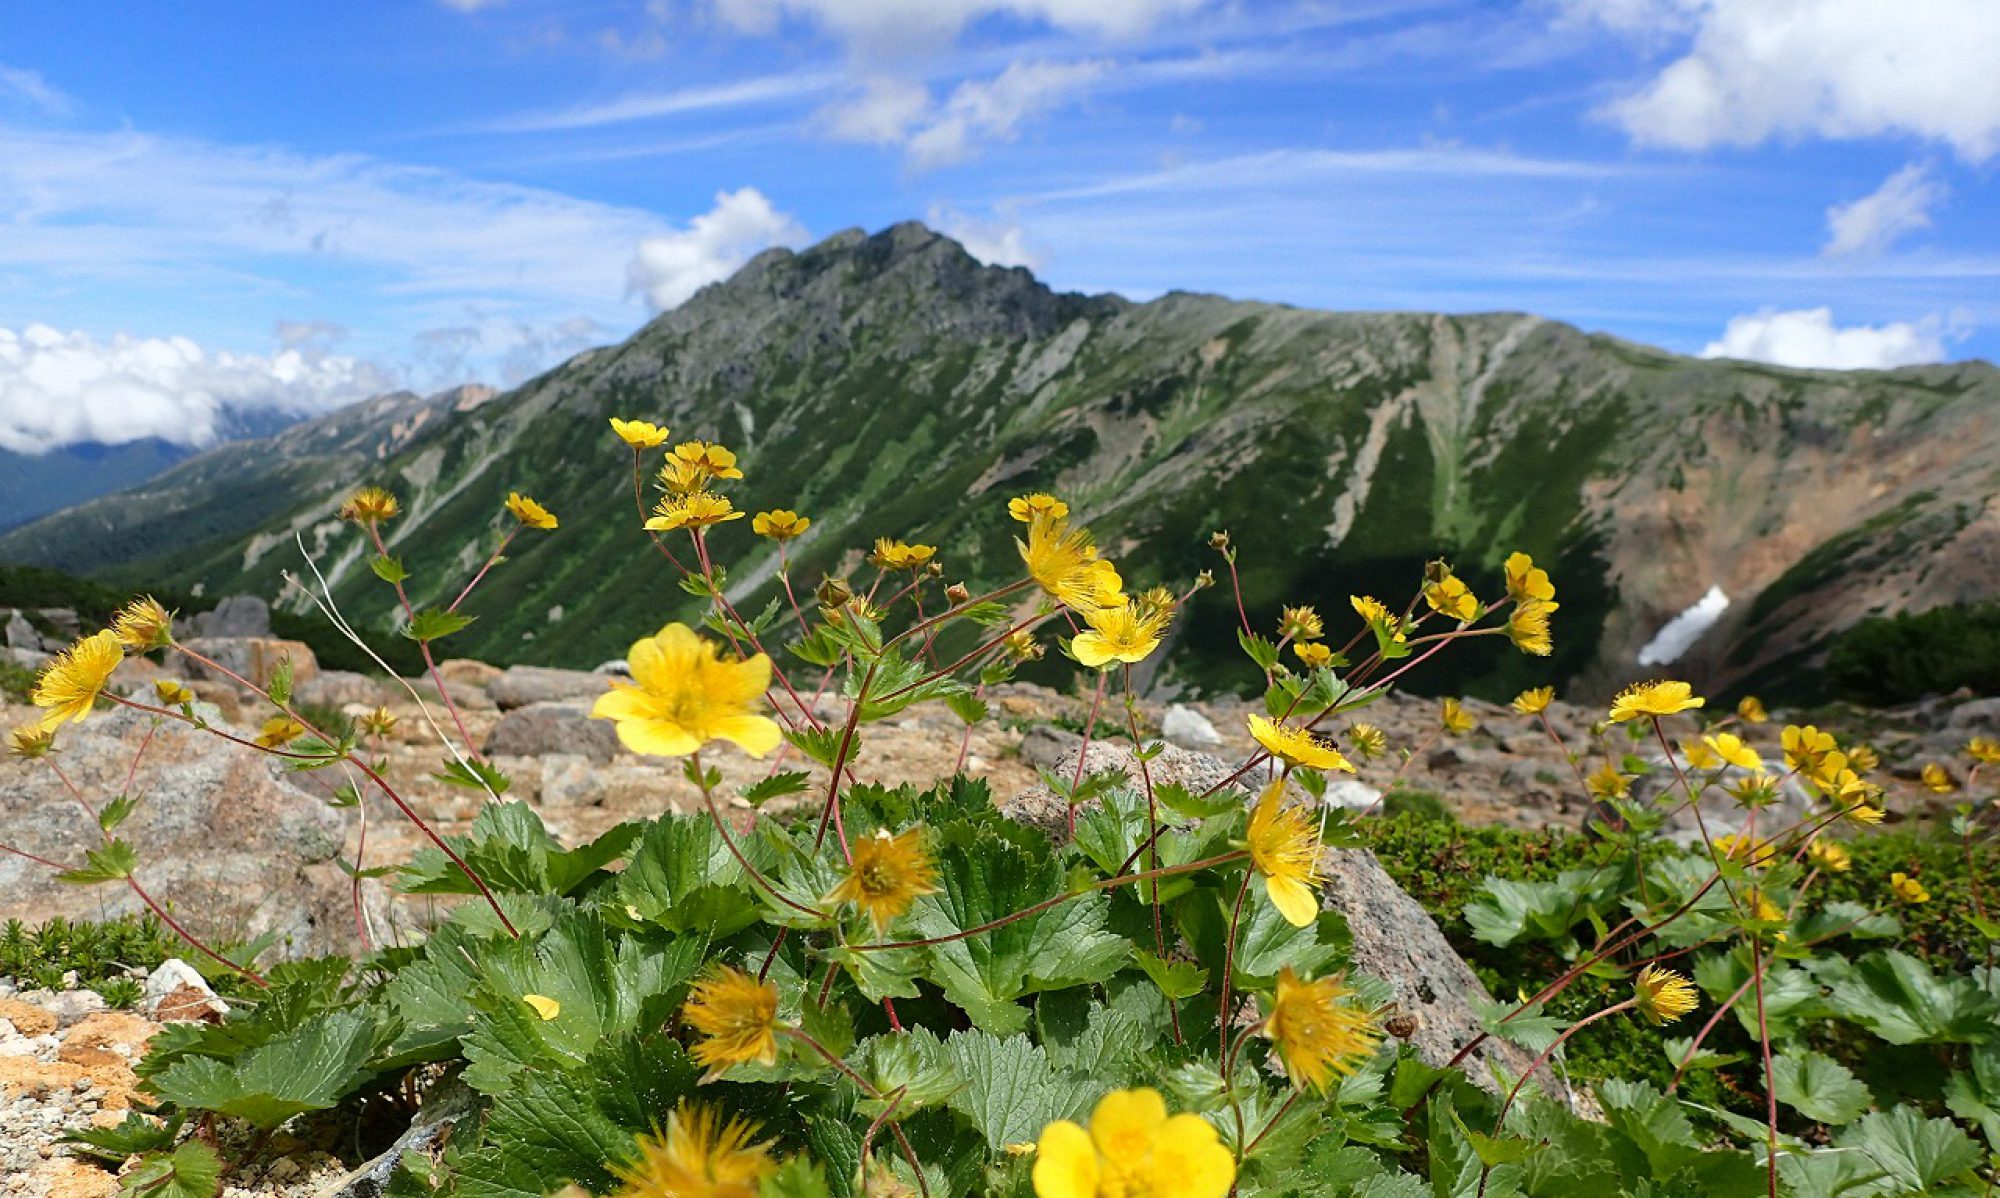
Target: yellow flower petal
(1125, 1122)
(548, 1008)
(1295, 900)
(1065, 1162)
(1189, 1160)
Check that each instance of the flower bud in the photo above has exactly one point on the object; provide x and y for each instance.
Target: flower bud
(834, 592)
(958, 594)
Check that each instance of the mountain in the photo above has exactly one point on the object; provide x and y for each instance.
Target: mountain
(891, 385)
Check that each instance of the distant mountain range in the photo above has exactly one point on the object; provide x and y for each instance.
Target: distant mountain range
(892, 385)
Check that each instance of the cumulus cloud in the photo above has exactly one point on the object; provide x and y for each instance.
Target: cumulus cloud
(887, 27)
(889, 111)
(1872, 223)
(669, 268)
(1808, 338)
(998, 242)
(60, 388)
(1763, 69)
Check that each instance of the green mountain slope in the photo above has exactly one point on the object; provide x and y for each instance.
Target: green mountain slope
(890, 385)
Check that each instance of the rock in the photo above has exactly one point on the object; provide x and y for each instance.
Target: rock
(1980, 717)
(1396, 940)
(1043, 746)
(450, 1101)
(71, 1006)
(29, 1019)
(463, 671)
(237, 846)
(1188, 728)
(1351, 794)
(255, 658)
(518, 686)
(340, 688)
(234, 616)
(175, 991)
(22, 635)
(539, 729)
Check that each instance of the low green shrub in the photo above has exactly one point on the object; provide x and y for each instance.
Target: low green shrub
(1900, 658)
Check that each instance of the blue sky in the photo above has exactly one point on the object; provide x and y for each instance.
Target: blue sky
(290, 205)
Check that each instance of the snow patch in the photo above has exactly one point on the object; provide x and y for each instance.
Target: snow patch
(1679, 634)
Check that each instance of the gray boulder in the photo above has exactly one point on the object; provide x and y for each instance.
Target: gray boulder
(340, 688)
(1188, 728)
(518, 686)
(254, 658)
(235, 615)
(22, 635)
(543, 729)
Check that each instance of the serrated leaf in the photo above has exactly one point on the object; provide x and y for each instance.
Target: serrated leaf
(1918, 1153)
(432, 624)
(113, 861)
(683, 877)
(799, 1177)
(1819, 1087)
(388, 569)
(192, 1170)
(1258, 649)
(1011, 1090)
(1650, 1122)
(1176, 979)
(967, 706)
(134, 1135)
(473, 775)
(764, 790)
(1973, 1093)
(1897, 997)
(822, 744)
(511, 851)
(281, 682)
(116, 812)
(1184, 802)
(310, 1069)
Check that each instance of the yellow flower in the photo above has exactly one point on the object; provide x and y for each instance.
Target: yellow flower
(1127, 633)
(1159, 600)
(694, 464)
(1285, 849)
(1368, 740)
(779, 524)
(379, 722)
(687, 696)
(1653, 699)
(639, 434)
(1021, 645)
(1369, 609)
(1983, 749)
(1699, 756)
(1528, 627)
(1751, 709)
(1298, 746)
(1301, 624)
(1312, 654)
(892, 554)
(1753, 790)
(1063, 561)
(370, 505)
(1448, 595)
(1731, 749)
(1863, 812)
(1829, 855)
(1318, 1035)
(1456, 719)
(737, 1016)
(30, 741)
(1804, 747)
(696, 509)
(1862, 758)
(544, 1006)
(1028, 508)
(1133, 1149)
(171, 693)
(699, 1155)
(69, 685)
(1534, 701)
(1746, 849)
(1938, 780)
(279, 731)
(1907, 889)
(1663, 996)
(530, 513)
(1526, 582)
(143, 624)
(887, 875)
(1607, 783)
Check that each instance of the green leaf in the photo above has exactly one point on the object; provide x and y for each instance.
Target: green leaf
(510, 850)
(388, 569)
(191, 1171)
(1897, 997)
(1819, 1087)
(684, 878)
(1649, 1122)
(967, 706)
(1676, 1048)
(473, 775)
(790, 782)
(913, 1063)
(822, 744)
(432, 624)
(1973, 1094)
(1176, 979)
(136, 1134)
(1011, 1090)
(799, 1177)
(281, 682)
(1183, 802)
(112, 862)
(1506, 911)
(309, 1070)
(1918, 1153)
(1259, 649)
(115, 812)
(1066, 945)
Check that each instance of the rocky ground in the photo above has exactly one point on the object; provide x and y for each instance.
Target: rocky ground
(239, 847)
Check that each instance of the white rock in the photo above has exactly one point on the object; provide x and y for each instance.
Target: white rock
(1188, 728)
(172, 974)
(1351, 794)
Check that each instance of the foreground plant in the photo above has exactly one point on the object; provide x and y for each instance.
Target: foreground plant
(837, 988)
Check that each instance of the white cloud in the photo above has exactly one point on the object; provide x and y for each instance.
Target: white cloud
(646, 106)
(61, 388)
(29, 86)
(891, 111)
(1808, 338)
(669, 268)
(999, 242)
(1872, 223)
(1763, 69)
(471, 5)
(878, 28)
